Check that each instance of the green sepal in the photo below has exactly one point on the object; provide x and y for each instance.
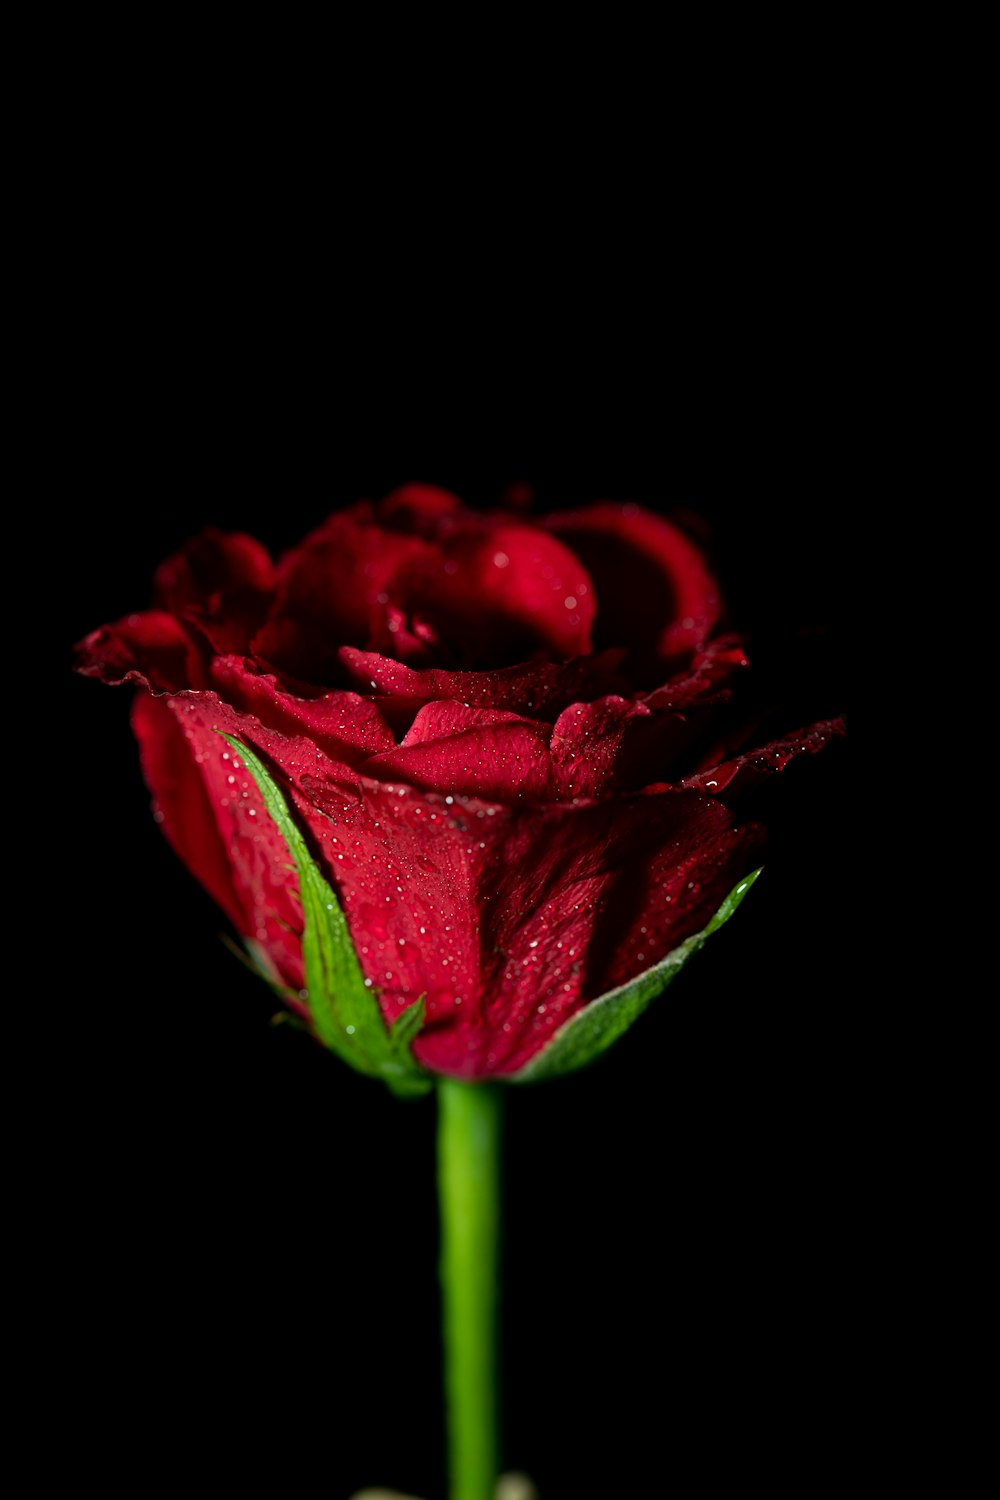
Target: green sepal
(251, 957)
(345, 1013)
(592, 1030)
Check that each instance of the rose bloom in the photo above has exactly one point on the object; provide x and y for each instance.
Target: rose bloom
(525, 752)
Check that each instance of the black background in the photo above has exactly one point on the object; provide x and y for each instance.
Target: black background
(249, 1228)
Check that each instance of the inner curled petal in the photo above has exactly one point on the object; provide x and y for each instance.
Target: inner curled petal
(656, 592)
(497, 593)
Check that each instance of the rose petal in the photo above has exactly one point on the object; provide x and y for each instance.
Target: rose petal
(578, 900)
(331, 591)
(420, 509)
(222, 580)
(153, 648)
(208, 808)
(453, 748)
(400, 862)
(709, 679)
(587, 743)
(540, 689)
(508, 922)
(653, 583)
(615, 744)
(745, 773)
(496, 593)
(392, 635)
(345, 726)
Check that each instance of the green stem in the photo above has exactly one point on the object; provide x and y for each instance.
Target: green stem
(469, 1195)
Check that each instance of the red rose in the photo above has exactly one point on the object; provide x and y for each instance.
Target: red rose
(521, 752)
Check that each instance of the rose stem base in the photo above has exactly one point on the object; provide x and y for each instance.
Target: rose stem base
(468, 1152)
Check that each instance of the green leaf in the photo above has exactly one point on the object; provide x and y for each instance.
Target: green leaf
(592, 1030)
(345, 1013)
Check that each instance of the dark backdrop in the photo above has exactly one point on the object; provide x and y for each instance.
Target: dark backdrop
(251, 1227)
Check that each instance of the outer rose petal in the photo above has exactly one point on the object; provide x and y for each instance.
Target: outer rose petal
(708, 680)
(344, 725)
(616, 744)
(509, 921)
(152, 648)
(653, 583)
(587, 744)
(744, 773)
(577, 901)
(202, 799)
(477, 752)
(401, 863)
(541, 688)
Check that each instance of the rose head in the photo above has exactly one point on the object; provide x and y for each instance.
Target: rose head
(517, 754)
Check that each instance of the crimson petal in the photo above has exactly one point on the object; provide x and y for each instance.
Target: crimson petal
(201, 799)
(495, 592)
(578, 900)
(331, 589)
(344, 725)
(745, 773)
(540, 689)
(223, 580)
(153, 648)
(653, 583)
(453, 748)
